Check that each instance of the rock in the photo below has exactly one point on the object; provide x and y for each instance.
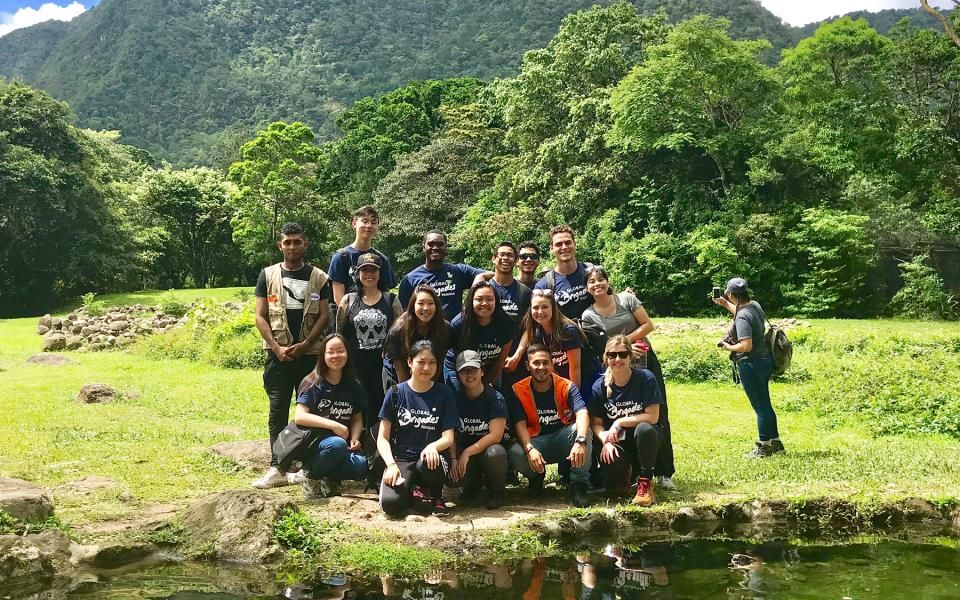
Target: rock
(118, 554)
(920, 509)
(76, 329)
(74, 342)
(92, 393)
(111, 340)
(66, 324)
(87, 331)
(24, 500)
(56, 323)
(251, 455)
(50, 360)
(54, 341)
(235, 525)
(27, 559)
(46, 321)
(118, 326)
(42, 329)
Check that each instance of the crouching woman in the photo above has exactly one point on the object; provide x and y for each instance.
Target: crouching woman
(330, 402)
(417, 424)
(625, 415)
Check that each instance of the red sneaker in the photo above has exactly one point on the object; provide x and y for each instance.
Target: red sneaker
(644, 495)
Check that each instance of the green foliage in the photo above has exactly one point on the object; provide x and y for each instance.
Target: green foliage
(695, 363)
(922, 295)
(94, 307)
(171, 305)
(510, 543)
(12, 525)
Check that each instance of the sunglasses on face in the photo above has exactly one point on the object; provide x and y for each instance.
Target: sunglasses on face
(528, 256)
(622, 354)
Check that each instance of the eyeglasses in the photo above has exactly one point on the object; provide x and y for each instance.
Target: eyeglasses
(504, 254)
(528, 256)
(545, 293)
(621, 354)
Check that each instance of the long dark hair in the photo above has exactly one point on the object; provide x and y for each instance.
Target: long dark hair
(558, 319)
(600, 272)
(320, 371)
(470, 324)
(438, 331)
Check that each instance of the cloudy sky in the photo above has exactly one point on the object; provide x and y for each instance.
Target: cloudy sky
(15, 14)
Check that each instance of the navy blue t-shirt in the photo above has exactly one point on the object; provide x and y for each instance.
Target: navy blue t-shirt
(337, 402)
(476, 414)
(570, 340)
(639, 393)
(487, 340)
(343, 268)
(570, 291)
(514, 299)
(449, 282)
(418, 419)
(547, 408)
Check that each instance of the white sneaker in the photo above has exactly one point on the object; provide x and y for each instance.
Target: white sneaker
(296, 478)
(665, 483)
(274, 477)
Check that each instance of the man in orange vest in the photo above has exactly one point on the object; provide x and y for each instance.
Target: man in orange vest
(552, 425)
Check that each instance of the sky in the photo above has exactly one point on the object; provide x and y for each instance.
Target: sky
(15, 14)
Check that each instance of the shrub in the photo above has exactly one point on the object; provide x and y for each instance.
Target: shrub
(94, 307)
(922, 295)
(694, 363)
(170, 305)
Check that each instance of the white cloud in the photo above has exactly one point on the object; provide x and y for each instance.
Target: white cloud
(808, 11)
(27, 16)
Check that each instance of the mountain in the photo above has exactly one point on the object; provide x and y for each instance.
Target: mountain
(189, 79)
(882, 20)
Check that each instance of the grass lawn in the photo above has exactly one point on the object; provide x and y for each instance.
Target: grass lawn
(149, 297)
(154, 444)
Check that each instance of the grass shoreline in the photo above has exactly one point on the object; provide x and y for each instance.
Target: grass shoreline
(152, 447)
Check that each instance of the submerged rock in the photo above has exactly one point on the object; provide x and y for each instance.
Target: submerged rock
(24, 500)
(33, 557)
(234, 525)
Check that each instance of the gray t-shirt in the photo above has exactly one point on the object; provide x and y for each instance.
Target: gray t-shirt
(749, 323)
(622, 322)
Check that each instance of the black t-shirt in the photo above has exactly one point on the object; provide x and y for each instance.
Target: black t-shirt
(393, 350)
(418, 419)
(337, 402)
(632, 399)
(295, 285)
(476, 414)
(569, 340)
(514, 299)
(487, 340)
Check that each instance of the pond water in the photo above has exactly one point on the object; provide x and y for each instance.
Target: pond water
(689, 569)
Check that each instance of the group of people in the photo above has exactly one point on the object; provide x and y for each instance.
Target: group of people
(468, 376)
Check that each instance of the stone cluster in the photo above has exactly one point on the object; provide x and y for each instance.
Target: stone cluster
(119, 326)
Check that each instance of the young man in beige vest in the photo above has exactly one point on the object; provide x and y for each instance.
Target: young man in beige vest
(293, 307)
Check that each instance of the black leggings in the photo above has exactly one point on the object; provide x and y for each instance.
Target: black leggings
(664, 466)
(639, 451)
(395, 500)
(489, 468)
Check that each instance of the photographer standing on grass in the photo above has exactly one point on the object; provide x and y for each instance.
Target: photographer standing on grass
(748, 349)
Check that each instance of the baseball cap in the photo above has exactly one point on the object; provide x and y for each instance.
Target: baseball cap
(468, 358)
(369, 259)
(737, 285)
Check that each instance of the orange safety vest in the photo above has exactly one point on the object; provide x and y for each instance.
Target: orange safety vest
(524, 393)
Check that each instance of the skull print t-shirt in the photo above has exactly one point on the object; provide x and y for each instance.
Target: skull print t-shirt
(418, 419)
(367, 325)
(632, 399)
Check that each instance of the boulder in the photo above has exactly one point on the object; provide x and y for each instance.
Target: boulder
(93, 393)
(74, 342)
(53, 341)
(235, 525)
(32, 558)
(120, 553)
(42, 329)
(251, 455)
(87, 331)
(66, 324)
(24, 500)
(50, 360)
(118, 326)
(46, 321)
(77, 329)
(56, 323)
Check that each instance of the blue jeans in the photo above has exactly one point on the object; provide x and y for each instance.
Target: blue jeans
(555, 447)
(755, 377)
(332, 459)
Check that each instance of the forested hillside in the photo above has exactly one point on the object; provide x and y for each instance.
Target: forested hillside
(189, 79)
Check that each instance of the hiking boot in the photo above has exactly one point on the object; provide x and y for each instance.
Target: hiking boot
(535, 487)
(644, 495)
(329, 487)
(760, 450)
(578, 495)
(665, 483)
(274, 477)
(494, 501)
(312, 488)
(439, 508)
(777, 446)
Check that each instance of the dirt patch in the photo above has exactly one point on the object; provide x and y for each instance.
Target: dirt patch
(253, 454)
(50, 360)
(150, 518)
(86, 486)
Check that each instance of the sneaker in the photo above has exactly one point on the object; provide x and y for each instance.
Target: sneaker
(329, 487)
(777, 446)
(494, 501)
(666, 483)
(535, 487)
(578, 495)
(274, 477)
(760, 450)
(439, 507)
(644, 495)
(312, 488)
(296, 478)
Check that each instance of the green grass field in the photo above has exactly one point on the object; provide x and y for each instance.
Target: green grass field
(154, 444)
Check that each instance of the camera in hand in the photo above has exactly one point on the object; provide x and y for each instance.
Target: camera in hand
(727, 339)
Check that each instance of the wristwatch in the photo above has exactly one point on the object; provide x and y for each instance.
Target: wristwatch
(580, 440)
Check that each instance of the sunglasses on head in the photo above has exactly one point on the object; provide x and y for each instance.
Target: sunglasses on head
(546, 293)
(528, 256)
(622, 354)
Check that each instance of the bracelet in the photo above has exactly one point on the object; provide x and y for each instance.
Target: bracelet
(393, 464)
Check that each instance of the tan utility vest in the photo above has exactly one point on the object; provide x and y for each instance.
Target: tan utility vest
(277, 307)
